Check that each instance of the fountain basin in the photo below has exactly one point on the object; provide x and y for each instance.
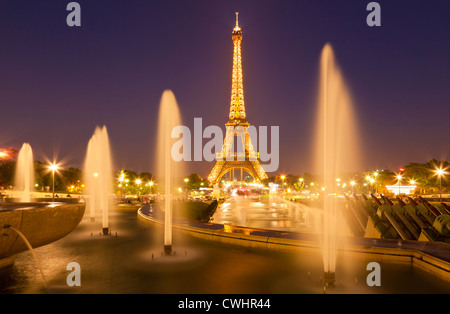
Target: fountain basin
(432, 257)
(40, 223)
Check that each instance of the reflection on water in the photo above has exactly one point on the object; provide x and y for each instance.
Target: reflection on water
(275, 213)
(124, 264)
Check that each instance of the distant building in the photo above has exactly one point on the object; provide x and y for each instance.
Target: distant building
(401, 189)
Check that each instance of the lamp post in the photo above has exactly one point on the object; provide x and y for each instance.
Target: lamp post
(440, 172)
(186, 180)
(369, 183)
(301, 183)
(399, 177)
(151, 186)
(121, 180)
(337, 186)
(375, 174)
(282, 180)
(53, 167)
(138, 182)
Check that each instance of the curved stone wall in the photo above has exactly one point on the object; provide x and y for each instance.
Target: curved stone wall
(41, 224)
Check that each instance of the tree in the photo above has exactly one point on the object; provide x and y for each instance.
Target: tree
(8, 166)
(424, 175)
(71, 177)
(146, 177)
(195, 181)
(385, 177)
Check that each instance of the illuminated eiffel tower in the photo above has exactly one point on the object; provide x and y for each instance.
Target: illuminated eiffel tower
(237, 126)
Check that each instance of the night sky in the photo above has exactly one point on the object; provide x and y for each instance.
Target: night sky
(57, 83)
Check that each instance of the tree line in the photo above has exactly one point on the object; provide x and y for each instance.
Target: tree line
(423, 175)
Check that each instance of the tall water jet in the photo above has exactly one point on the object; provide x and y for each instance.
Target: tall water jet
(24, 174)
(337, 148)
(167, 168)
(98, 176)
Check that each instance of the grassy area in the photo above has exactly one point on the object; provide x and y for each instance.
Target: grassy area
(195, 211)
(191, 210)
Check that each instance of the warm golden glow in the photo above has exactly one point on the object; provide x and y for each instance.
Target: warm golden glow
(53, 167)
(237, 28)
(237, 105)
(249, 159)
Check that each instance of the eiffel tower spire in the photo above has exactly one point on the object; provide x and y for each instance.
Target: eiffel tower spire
(237, 114)
(237, 126)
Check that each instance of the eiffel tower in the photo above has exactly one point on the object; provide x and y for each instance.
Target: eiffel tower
(228, 160)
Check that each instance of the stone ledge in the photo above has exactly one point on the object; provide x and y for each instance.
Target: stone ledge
(39, 224)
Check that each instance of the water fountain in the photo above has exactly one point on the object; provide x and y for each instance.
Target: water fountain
(98, 176)
(37, 224)
(24, 174)
(167, 168)
(336, 148)
(30, 248)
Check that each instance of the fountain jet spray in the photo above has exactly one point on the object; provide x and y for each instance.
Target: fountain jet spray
(167, 168)
(337, 148)
(24, 174)
(98, 175)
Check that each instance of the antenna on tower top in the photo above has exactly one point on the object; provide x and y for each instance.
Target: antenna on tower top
(237, 28)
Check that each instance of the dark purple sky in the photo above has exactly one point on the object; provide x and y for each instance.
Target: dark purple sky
(57, 83)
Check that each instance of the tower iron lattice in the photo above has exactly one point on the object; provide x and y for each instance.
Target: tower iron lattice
(237, 126)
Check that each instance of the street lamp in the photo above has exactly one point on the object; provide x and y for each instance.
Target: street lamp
(186, 180)
(440, 172)
(151, 186)
(301, 183)
(352, 183)
(399, 177)
(121, 179)
(53, 167)
(138, 182)
(282, 179)
(369, 180)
